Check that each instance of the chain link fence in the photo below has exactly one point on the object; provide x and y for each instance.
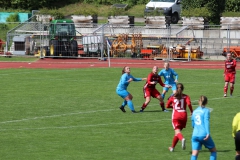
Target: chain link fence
(133, 41)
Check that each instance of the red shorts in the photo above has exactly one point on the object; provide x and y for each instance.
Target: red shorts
(230, 77)
(148, 92)
(180, 121)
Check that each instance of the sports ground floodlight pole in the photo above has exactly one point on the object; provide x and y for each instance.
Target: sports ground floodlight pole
(168, 25)
(41, 40)
(102, 39)
(228, 39)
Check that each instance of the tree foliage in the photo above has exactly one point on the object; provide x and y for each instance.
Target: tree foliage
(215, 8)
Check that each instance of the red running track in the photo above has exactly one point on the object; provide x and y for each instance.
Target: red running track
(95, 63)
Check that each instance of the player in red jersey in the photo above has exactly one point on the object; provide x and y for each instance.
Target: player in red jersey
(150, 90)
(229, 74)
(179, 102)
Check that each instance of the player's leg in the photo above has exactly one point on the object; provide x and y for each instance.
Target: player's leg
(211, 146)
(147, 96)
(232, 81)
(174, 89)
(225, 89)
(231, 88)
(165, 90)
(123, 94)
(174, 143)
(144, 105)
(196, 146)
(130, 103)
(213, 154)
(159, 97)
(181, 138)
(175, 137)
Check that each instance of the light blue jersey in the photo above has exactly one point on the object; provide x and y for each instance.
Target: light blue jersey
(201, 128)
(123, 83)
(169, 79)
(168, 75)
(121, 90)
(200, 121)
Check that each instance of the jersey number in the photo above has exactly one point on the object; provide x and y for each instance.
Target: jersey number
(178, 104)
(198, 120)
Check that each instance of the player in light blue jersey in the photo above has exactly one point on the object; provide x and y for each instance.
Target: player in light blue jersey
(121, 90)
(201, 130)
(168, 75)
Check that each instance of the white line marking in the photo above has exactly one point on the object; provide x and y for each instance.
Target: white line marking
(60, 115)
(83, 126)
(67, 114)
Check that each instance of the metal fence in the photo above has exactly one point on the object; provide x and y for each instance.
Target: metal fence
(136, 41)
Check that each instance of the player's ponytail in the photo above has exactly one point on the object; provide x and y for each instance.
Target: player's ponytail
(180, 89)
(203, 101)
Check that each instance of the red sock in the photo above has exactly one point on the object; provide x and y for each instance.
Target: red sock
(180, 136)
(225, 89)
(144, 106)
(162, 105)
(231, 90)
(174, 141)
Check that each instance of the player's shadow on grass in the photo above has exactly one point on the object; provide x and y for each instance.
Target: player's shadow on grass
(206, 150)
(156, 111)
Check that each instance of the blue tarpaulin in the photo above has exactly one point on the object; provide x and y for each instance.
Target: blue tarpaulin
(22, 16)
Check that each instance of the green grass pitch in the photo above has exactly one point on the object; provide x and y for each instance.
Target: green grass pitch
(73, 114)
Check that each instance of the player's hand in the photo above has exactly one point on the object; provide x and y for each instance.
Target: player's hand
(176, 81)
(206, 138)
(130, 80)
(223, 75)
(156, 82)
(169, 86)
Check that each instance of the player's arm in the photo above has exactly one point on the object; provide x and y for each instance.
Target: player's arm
(234, 63)
(225, 68)
(169, 103)
(206, 121)
(175, 74)
(124, 79)
(192, 119)
(160, 73)
(136, 79)
(161, 83)
(188, 100)
(149, 78)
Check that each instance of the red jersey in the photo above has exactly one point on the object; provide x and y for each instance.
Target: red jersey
(230, 66)
(179, 114)
(153, 77)
(179, 105)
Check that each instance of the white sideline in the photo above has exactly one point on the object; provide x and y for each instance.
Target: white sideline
(60, 115)
(82, 126)
(93, 125)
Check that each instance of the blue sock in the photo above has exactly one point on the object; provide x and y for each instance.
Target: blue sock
(213, 156)
(163, 96)
(124, 103)
(130, 105)
(193, 157)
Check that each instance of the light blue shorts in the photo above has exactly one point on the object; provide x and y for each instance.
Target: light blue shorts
(122, 93)
(174, 87)
(197, 142)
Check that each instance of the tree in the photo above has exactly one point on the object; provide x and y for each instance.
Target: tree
(214, 7)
